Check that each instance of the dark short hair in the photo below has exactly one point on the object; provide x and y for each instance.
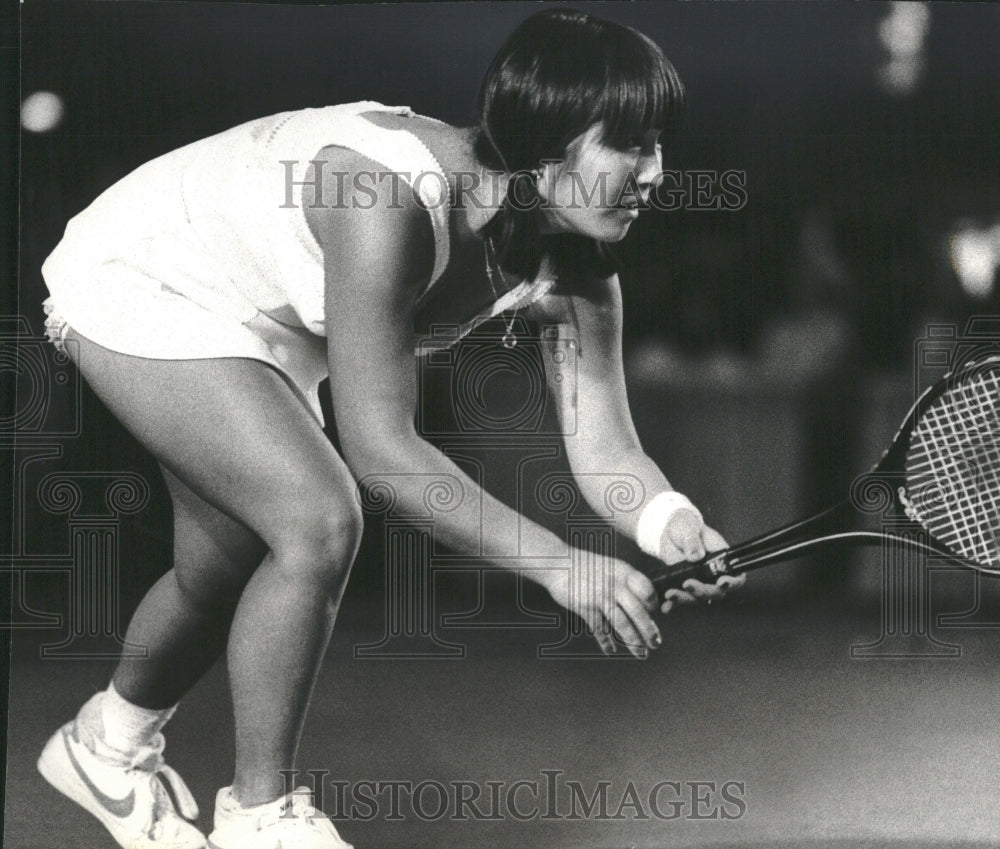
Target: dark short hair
(559, 73)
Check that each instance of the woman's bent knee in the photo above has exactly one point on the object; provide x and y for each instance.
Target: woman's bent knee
(320, 547)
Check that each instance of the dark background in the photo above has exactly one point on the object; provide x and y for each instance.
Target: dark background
(787, 93)
(788, 328)
(771, 351)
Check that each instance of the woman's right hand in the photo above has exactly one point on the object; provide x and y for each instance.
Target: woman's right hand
(613, 598)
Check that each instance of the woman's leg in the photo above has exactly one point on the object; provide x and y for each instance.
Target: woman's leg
(238, 437)
(184, 619)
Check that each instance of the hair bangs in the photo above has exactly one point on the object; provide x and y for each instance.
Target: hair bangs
(642, 91)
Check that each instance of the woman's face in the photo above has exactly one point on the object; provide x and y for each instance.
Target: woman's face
(599, 188)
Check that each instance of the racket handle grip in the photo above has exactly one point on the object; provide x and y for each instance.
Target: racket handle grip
(707, 570)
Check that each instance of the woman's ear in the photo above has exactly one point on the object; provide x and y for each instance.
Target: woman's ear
(545, 177)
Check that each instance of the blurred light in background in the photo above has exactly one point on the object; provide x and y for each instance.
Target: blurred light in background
(975, 256)
(41, 112)
(903, 32)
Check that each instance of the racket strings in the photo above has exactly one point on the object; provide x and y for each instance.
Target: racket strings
(963, 500)
(953, 468)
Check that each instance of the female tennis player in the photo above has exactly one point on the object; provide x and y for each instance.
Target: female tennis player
(206, 295)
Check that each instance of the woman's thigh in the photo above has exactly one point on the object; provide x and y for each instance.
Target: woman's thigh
(234, 433)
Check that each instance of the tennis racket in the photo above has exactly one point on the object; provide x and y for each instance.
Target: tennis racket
(942, 471)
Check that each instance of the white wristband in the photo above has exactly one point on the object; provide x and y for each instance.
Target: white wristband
(655, 517)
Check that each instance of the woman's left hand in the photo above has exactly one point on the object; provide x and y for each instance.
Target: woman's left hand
(686, 537)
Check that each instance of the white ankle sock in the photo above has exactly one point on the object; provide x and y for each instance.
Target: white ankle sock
(128, 727)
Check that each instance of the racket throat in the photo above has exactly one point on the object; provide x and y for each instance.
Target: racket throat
(909, 508)
(789, 541)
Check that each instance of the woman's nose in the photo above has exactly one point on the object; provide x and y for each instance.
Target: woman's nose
(649, 171)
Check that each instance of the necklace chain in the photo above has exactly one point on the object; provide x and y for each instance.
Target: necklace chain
(509, 339)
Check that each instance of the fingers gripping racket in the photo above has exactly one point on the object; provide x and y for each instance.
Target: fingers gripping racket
(942, 470)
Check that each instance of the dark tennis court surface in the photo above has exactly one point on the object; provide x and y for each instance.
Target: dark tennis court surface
(814, 748)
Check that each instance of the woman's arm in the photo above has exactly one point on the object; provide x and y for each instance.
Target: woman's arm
(601, 442)
(377, 259)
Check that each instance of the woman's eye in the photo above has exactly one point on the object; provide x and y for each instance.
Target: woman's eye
(640, 142)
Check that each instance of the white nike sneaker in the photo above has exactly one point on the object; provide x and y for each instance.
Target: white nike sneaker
(128, 794)
(287, 823)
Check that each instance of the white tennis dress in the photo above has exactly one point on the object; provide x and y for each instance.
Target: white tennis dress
(205, 251)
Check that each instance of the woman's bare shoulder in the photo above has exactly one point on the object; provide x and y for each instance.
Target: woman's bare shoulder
(353, 211)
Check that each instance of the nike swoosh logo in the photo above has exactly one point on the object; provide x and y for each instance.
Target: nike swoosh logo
(119, 807)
